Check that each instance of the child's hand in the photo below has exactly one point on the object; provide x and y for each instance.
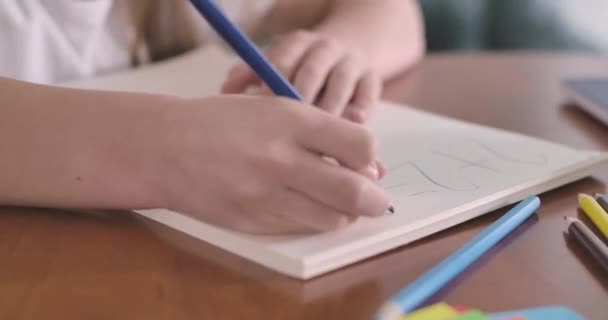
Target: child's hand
(254, 164)
(324, 72)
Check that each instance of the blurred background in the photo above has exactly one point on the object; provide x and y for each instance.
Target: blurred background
(580, 25)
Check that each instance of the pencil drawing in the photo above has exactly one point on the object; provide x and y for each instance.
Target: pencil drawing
(467, 163)
(506, 157)
(422, 178)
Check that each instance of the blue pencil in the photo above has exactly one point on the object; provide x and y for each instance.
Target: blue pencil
(246, 49)
(432, 281)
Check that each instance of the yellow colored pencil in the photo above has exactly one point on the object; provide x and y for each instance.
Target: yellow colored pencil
(595, 212)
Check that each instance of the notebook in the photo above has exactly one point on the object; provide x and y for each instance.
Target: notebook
(441, 172)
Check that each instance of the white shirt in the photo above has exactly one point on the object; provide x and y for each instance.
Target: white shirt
(48, 41)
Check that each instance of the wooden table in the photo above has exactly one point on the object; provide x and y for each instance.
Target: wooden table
(62, 265)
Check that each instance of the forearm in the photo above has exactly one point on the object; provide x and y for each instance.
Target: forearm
(387, 33)
(75, 148)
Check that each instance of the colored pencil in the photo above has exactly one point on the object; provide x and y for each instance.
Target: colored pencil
(588, 240)
(595, 212)
(433, 280)
(602, 199)
(245, 48)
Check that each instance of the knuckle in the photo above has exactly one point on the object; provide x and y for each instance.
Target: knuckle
(275, 160)
(300, 35)
(269, 167)
(329, 44)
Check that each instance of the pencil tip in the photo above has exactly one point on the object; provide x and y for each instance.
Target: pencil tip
(391, 209)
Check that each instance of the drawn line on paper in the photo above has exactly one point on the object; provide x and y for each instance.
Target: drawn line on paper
(421, 192)
(423, 173)
(403, 164)
(430, 179)
(468, 163)
(506, 157)
(395, 186)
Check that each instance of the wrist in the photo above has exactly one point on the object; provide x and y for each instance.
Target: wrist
(150, 143)
(126, 156)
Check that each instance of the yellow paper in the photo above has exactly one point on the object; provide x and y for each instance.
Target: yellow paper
(439, 311)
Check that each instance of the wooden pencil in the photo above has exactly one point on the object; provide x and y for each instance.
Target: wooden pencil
(588, 240)
(602, 199)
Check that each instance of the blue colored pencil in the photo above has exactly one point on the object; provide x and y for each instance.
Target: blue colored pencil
(432, 281)
(246, 49)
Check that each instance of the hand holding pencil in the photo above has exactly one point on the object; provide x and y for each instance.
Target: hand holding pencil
(272, 78)
(262, 173)
(284, 182)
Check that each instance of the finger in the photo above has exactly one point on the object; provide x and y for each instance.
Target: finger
(381, 169)
(370, 171)
(337, 187)
(260, 90)
(239, 79)
(340, 86)
(289, 51)
(284, 56)
(311, 214)
(366, 97)
(354, 114)
(348, 143)
(317, 63)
